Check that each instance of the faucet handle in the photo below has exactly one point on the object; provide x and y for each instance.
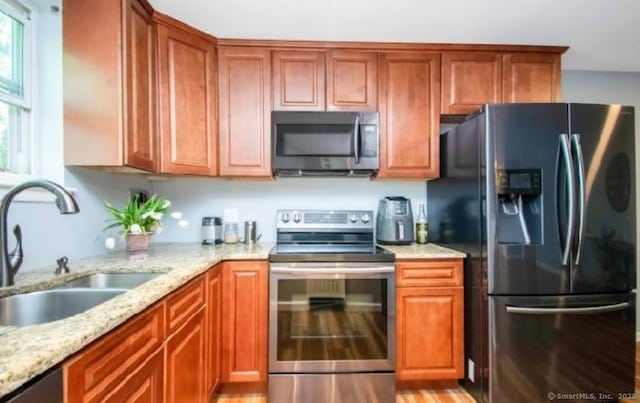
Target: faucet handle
(62, 265)
(16, 256)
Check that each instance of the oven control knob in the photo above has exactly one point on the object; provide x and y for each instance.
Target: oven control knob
(285, 217)
(365, 218)
(297, 217)
(353, 218)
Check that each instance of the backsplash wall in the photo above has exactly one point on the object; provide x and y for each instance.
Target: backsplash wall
(259, 200)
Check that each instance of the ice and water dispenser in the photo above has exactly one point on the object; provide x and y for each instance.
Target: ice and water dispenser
(519, 209)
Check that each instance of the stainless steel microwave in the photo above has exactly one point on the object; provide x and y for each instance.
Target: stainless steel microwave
(325, 143)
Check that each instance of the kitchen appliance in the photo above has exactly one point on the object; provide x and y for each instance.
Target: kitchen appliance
(394, 221)
(331, 310)
(542, 198)
(324, 143)
(211, 230)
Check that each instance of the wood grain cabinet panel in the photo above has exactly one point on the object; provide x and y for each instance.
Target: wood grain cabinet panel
(244, 95)
(185, 362)
(107, 363)
(185, 302)
(244, 321)
(298, 80)
(214, 302)
(109, 84)
(429, 333)
(470, 80)
(188, 120)
(531, 77)
(144, 385)
(429, 273)
(409, 115)
(352, 78)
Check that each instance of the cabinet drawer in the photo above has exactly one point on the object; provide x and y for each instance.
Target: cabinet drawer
(432, 272)
(184, 303)
(94, 372)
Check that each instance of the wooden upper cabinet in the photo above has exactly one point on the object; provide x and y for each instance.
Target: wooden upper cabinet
(531, 77)
(409, 115)
(244, 79)
(187, 93)
(469, 80)
(298, 80)
(109, 84)
(244, 321)
(352, 78)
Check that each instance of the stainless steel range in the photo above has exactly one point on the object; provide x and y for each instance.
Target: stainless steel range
(331, 311)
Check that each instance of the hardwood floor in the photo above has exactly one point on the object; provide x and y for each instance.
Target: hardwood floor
(457, 395)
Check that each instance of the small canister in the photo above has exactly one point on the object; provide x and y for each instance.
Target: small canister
(211, 230)
(249, 232)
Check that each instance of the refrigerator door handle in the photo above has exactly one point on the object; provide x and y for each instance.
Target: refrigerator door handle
(578, 310)
(575, 140)
(565, 146)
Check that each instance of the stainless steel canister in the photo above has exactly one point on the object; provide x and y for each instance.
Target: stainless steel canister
(249, 232)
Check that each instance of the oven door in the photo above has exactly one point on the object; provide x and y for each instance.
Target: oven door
(331, 317)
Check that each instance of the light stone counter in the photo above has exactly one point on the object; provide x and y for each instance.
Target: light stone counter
(426, 251)
(28, 351)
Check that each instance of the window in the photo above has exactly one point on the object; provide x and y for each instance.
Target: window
(15, 88)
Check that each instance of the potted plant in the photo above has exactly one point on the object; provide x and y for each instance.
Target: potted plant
(139, 220)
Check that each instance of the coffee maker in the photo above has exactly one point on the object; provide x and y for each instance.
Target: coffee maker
(394, 223)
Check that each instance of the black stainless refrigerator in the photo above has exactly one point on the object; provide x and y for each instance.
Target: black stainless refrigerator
(542, 198)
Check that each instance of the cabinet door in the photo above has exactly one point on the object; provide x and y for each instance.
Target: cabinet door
(185, 362)
(298, 80)
(214, 301)
(244, 321)
(409, 115)
(245, 111)
(97, 370)
(429, 331)
(141, 146)
(530, 77)
(188, 121)
(469, 80)
(144, 385)
(352, 78)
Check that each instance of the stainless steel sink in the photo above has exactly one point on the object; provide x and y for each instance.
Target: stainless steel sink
(49, 305)
(110, 280)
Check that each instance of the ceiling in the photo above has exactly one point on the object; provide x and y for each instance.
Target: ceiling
(602, 34)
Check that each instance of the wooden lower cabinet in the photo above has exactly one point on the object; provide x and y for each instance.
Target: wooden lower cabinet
(244, 321)
(144, 385)
(429, 320)
(214, 299)
(158, 356)
(185, 362)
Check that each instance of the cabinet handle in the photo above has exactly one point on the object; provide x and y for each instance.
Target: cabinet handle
(356, 139)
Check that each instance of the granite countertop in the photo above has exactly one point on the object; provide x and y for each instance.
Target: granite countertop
(28, 351)
(425, 251)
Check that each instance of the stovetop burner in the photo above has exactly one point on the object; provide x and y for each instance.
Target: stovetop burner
(327, 236)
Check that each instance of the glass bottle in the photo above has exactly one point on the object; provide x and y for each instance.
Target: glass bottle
(422, 227)
(231, 234)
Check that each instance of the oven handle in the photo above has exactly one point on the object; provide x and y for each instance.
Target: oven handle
(332, 270)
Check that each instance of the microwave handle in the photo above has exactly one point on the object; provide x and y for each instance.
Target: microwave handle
(356, 138)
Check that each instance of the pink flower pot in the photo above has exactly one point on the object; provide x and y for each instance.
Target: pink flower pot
(138, 245)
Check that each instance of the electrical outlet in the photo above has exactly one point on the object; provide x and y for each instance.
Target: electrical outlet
(471, 368)
(143, 195)
(231, 215)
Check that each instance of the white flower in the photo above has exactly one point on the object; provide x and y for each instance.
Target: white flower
(158, 229)
(176, 215)
(166, 204)
(144, 216)
(156, 216)
(135, 229)
(110, 243)
(183, 223)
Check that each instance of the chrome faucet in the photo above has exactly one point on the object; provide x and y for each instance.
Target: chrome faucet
(10, 262)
